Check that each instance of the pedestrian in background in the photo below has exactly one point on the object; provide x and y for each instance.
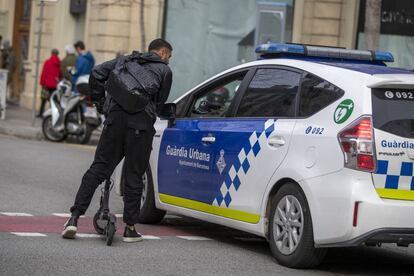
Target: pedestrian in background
(67, 65)
(84, 62)
(49, 78)
(8, 60)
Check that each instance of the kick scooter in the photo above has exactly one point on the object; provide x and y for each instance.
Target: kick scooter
(104, 222)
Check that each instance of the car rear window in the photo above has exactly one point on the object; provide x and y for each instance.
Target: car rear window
(393, 111)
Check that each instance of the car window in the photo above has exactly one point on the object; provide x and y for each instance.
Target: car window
(180, 106)
(271, 93)
(316, 94)
(216, 100)
(393, 112)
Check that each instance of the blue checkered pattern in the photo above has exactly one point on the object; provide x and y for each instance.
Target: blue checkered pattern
(394, 176)
(249, 151)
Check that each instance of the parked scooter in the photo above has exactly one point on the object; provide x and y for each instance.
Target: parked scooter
(70, 113)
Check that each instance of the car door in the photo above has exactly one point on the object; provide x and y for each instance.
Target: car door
(244, 149)
(186, 165)
(253, 143)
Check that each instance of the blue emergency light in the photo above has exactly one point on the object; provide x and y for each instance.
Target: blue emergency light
(272, 50)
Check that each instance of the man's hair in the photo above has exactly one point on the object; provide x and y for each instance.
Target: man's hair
(79, 45)
(159, 43)
(55, 52)
(1, 37)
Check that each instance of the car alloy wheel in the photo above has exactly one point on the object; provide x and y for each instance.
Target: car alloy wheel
(290, 230)
(288, 227)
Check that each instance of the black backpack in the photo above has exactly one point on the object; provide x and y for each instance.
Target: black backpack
(131, 85)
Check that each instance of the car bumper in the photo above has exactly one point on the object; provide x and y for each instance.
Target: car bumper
(377, 220)
(389, 221)
(400, 236)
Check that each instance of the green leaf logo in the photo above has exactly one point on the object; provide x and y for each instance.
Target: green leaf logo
(343, 111)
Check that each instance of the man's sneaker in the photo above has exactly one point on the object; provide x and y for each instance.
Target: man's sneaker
(131, 235)
(71, 226)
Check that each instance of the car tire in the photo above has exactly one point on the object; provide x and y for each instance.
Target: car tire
(149, 214)
(290, 231)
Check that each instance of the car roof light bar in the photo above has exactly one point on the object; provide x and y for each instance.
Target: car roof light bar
(286, 49)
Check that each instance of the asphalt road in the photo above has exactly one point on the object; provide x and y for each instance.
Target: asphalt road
(40, 179)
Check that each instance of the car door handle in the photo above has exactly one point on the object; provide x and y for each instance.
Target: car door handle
(276, 141)
(208, 139)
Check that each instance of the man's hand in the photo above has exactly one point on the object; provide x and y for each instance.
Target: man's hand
(100, 105)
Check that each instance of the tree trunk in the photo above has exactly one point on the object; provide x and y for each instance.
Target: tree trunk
(372, 24)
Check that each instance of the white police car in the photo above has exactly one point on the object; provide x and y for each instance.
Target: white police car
(310, 147)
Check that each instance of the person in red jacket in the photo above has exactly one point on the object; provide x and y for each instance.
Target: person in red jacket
(49, 78)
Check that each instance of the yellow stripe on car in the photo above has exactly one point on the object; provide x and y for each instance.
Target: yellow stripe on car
(396, 194)
(207, 208)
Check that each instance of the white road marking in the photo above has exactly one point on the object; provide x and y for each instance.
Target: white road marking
(85, 235)
(26, 234)
(90, 235)
(10, 214)
(64, 215)
(194, 238)
(149, 237)
(118, 215)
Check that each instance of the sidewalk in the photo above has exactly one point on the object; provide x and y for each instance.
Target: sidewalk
(18, 123)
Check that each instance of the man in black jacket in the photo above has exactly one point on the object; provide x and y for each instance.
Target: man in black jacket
(124, 135)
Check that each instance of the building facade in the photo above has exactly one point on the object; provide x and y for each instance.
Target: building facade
(208, 36)
(107, 27)
(224, 33)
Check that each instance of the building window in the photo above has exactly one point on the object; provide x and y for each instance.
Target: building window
(396, 30)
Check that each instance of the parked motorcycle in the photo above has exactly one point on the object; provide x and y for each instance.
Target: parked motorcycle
(71, 114)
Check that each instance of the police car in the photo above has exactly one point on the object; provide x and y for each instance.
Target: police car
(310, 147)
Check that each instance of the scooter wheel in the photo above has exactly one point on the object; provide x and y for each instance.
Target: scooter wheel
(50, 133)
(99, 224)
(110, 232)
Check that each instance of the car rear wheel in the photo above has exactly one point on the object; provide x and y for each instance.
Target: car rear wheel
(149, 214)
(290, 231)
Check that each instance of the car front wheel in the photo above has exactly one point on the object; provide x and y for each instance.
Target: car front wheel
(149, 214)
(290, 231)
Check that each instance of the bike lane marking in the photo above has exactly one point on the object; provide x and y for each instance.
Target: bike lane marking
(54, 224)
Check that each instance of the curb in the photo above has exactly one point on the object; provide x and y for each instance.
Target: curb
(32, 133)
(21, 132)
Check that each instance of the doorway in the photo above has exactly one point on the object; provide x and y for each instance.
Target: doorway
(21, 31)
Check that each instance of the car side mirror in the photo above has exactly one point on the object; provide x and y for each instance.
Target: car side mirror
(168, 112)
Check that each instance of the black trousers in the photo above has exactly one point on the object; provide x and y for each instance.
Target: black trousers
(124, 135)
